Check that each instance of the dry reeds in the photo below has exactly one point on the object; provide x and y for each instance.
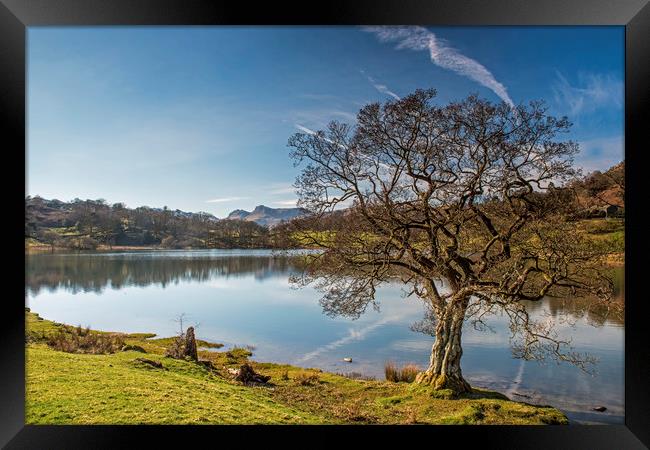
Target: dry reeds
(405, 374)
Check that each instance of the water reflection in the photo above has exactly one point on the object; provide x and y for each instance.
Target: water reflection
(96, 272)
(244, 297)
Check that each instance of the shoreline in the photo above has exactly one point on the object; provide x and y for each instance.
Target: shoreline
(80, 388)
(615, 260)
(37, 249)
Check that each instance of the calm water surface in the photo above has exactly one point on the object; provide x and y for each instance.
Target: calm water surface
(243, 297)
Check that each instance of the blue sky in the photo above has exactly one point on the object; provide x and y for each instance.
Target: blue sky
(197, 118)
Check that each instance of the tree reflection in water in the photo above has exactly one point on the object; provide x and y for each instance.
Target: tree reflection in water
(96, 272)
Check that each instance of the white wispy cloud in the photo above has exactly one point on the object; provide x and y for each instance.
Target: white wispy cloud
(421, 39)
(593, 91)
(381, 87)
(386, 168)
(313, 133)
(320, 117)
(226, 199)
(286, 203)
(304, 129)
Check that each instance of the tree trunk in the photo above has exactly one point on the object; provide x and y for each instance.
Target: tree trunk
(444, 367)
(190, 345)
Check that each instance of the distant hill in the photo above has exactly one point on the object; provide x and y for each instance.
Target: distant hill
(55, 213)
(265, 216)
(87, 224)
(238, 214)
(190, 215)
(603, 189)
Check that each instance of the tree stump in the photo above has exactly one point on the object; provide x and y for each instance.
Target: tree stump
(190, 345)
(248, 375)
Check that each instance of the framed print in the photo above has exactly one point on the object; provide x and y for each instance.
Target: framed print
(403, 219)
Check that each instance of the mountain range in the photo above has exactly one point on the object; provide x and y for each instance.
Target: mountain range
(265, 216)
(54, 212)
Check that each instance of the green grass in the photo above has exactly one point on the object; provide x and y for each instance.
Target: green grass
(313, 238)
(602, 226)
(610, 232)
(65, 231)
(115, 389)
(164, 342)
(71, 388)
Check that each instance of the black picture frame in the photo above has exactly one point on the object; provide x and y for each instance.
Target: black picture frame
(16, 15)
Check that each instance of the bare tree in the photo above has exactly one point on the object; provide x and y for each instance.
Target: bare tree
(48, 237)
(179, 320)
(456, 201)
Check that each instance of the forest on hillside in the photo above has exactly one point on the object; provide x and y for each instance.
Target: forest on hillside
(88, 224)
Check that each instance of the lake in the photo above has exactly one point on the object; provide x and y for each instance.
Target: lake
(243, 297)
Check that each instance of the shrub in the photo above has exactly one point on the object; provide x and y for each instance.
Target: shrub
(237, 355)
(409, 372)
(86, 243)
(405, 374)
(183, 346)
(82, 340)
(177, 347)
(391, 371)
(79, 243)
(307, 378)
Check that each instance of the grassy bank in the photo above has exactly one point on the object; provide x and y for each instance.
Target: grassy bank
(609, 232)
(34, 246)
(117, 388)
